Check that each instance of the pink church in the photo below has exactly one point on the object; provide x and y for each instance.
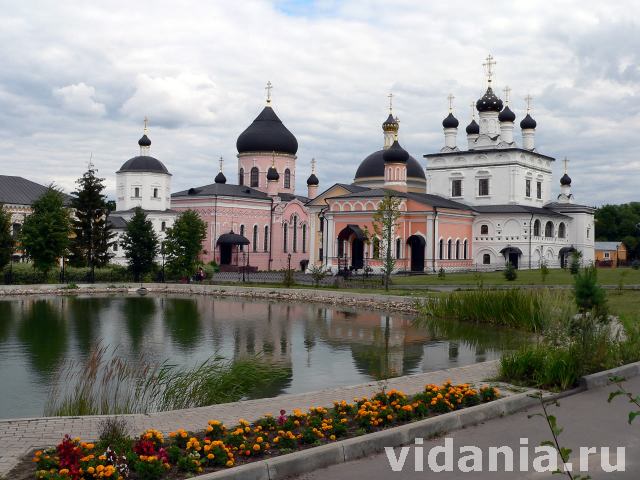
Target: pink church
(260, 222)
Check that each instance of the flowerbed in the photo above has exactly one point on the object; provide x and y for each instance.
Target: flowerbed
(153, 456)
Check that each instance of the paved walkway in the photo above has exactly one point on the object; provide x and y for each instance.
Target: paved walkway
(19, 436)
(587, 419)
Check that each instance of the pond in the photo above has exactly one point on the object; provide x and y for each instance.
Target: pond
(320, 346)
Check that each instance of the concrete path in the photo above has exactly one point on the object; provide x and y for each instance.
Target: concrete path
(588, 421)
(19, 436)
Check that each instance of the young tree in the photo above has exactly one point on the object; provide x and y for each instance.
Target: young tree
(6, 237)
(140, 244)
(91, 228)
(183, 243)
(45, 233)
(385, 221)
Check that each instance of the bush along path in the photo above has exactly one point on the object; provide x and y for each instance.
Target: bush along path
(182, 454)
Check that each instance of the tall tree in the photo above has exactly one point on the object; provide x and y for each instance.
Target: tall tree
(91, 228)
(45, 233)
(140, 244)
(6, 237)
(183, 244)
(385, 222)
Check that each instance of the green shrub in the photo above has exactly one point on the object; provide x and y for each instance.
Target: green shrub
(589, 296)
(442, 273)
(576, 260)
(510, 272)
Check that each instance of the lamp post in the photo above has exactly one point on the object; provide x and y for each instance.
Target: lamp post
(162, 253)
(244, 265)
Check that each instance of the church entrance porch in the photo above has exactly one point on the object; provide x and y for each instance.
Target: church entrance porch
(512, 255)
(417, 244)
(229, 245)
(565, 255)
(351, 240)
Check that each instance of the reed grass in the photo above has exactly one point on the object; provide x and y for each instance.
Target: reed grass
(107, 383)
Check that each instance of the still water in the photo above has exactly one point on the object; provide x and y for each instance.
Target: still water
(321, 346)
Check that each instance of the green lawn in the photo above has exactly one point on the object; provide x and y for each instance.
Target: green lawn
(606, 276)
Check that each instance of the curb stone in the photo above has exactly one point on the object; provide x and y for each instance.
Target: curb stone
(601, 379)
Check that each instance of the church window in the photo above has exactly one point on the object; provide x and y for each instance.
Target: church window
(287, 178)
(255, 238)
(484, 229)
(527, 189)
(486, 259)
(398, 247)
(304, 238)
(15, 230)
(562, 230)
(456, 188)
(457, 249)
(539, 190)
(155, 193)
(266, 238)
(321, 225)
(255, 173)
(242, 233)
(536, 228)
(376, 247)
(295, 234)
(449, 245)
(285, 234)
(588, 232)
(136, 192)
(163, 226)
(464, 250)
(483, 187)
(115, 247)
(548, 230)
(241, 177)
(441, 249)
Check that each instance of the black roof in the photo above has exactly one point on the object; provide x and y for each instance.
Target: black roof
(117, 222)
(267, 133)
(528, 122)
(20, 191)
(516, 209)
(570, 207)
(565, 180)
(143, 163)
(489, 102)
(425, 198)
(373, 166)
(287, 197)
(395, 154)
(144, 141)
(450, 121)
(488, 150)
(313, 180)
(506, 115)
(232, 239)
(272, 173)
(223, 189)
(220, 178)
(473, 128)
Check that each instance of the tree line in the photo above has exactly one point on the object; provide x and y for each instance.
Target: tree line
(78, 231)
(620, 223)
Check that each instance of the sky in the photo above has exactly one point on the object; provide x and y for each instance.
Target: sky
(77, 78)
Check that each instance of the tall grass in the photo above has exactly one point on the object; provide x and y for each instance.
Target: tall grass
(111, 384)
(531, 310)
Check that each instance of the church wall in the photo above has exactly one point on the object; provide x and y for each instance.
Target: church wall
(146, 182)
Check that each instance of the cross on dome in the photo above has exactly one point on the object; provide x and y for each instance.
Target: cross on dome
(313, 165)
(268, 89)
(566, 162)
(473, 110)
(451, 98)
(221, 162)
(488, 65)
(146, 121)
(390, 96)
(507, 94)
(529, 100)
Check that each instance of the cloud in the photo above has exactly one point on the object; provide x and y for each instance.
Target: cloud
(80, 98)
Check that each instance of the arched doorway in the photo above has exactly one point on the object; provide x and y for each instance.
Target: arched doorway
(417, 244)
(565, 255)
(228, 244)
(354, 235)
(512, 255)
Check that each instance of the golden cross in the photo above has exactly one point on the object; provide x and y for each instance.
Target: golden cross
(507, 92)
(146, 121)
(273, 158)
(268, 89)
(221, 161)
(313, 165)
(450, 97)
(566, 161)
(528, 99)
(390, 102)
(488, 65)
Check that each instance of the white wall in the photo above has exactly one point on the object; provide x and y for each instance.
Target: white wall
(127, 182)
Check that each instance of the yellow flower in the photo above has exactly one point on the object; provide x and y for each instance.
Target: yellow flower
(256, 448)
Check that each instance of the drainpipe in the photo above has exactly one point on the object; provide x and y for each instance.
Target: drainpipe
(215, 225)
(322, 218)
(270, 236)
(433, 254)
(530, 235)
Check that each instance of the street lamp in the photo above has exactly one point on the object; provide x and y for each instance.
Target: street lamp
(162, 252)
(244, 265)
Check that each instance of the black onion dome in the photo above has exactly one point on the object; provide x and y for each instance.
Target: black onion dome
(313, 180)
(489, 102)
(528, 122)
(506, 115)
(220, 178)
(450, 121)
(565, 180)
(373, 166)
(272, 174)
(390, 124)
(395, 154)
(267, 133)
(144, 141)
(143, 163)
(473, 128)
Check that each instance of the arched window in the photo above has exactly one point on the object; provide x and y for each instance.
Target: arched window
(398, 246)
(295, 234)
(285, 234)
(548, 230)
(266, 238)
(287, 178)
(242, 233)
(15, 230)
(562, 230)
(464, 249)
(457, 249)
(241, 177)
(255, 177)
(163, 226)
(486, 259)
(376, 247)
(449, 245)
(441, 250)
(255, 238)
(304, 238)
(536, 228)
(484, 229)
